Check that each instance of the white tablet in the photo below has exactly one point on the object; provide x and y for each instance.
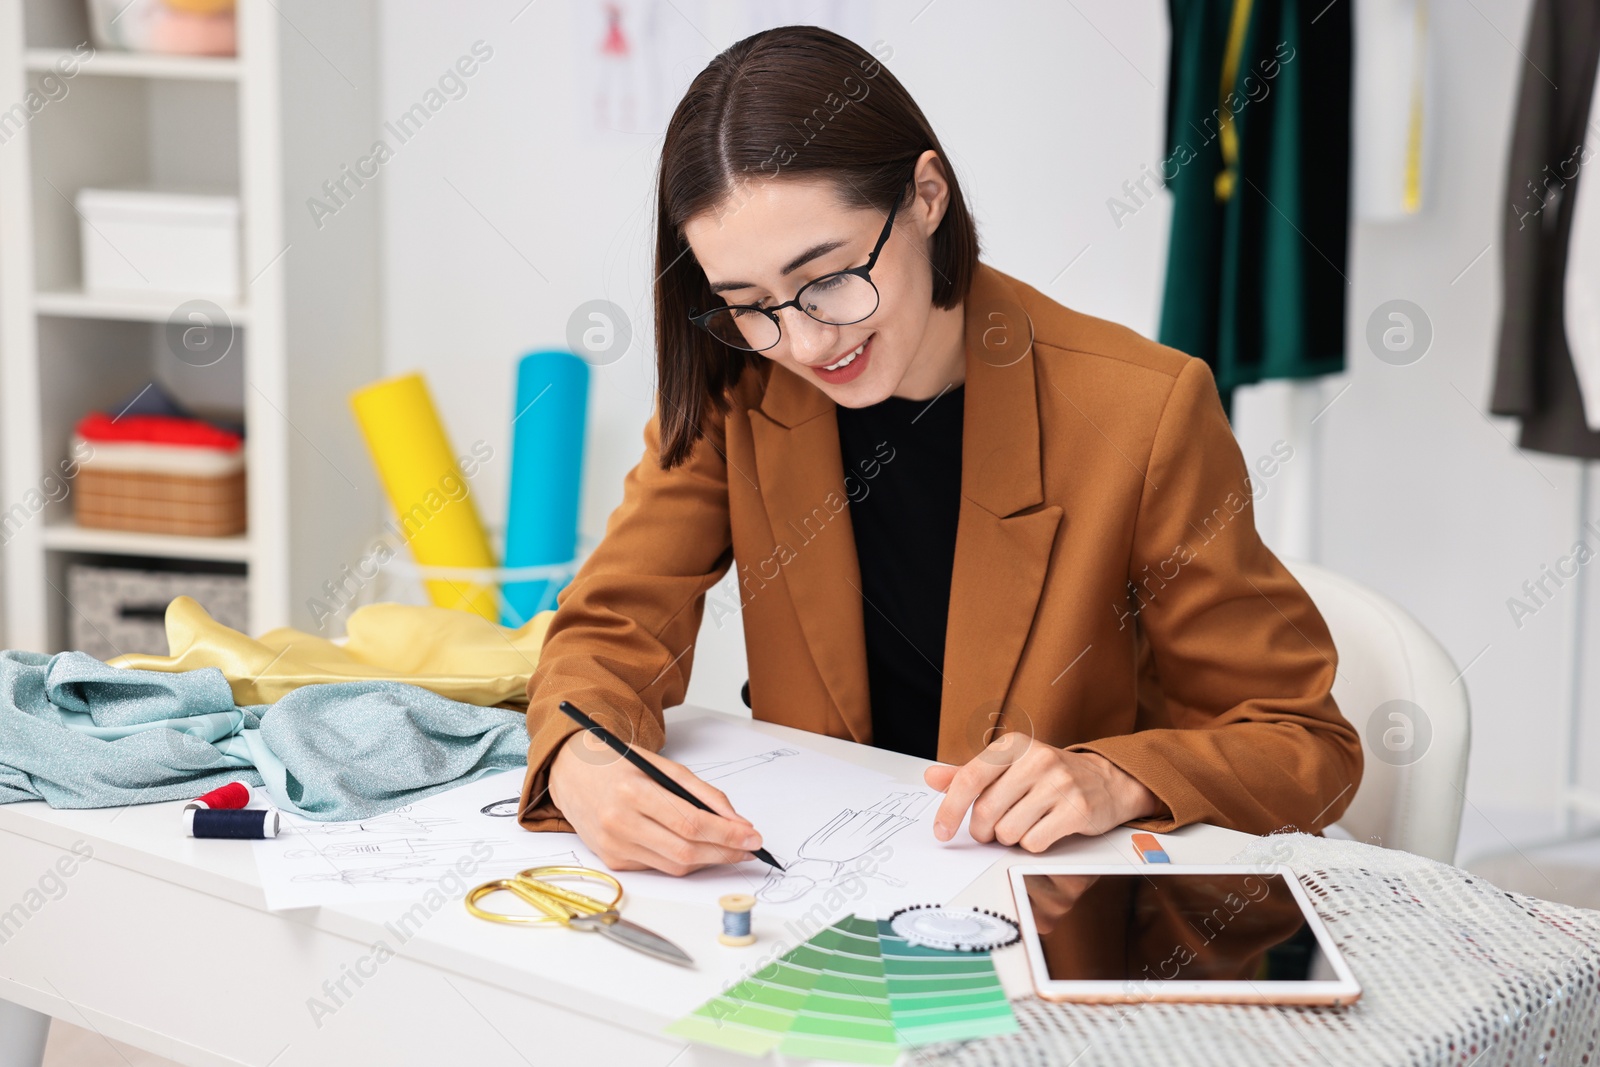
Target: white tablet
(1223, 934)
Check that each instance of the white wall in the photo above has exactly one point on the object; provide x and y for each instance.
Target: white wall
(506, 212)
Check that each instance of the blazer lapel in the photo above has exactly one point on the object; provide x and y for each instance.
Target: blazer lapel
(798, 461)
(1003, 536)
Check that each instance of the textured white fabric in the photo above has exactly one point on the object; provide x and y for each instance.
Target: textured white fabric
(1452, 970)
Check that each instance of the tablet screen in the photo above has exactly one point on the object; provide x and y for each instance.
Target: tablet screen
(1186, 927)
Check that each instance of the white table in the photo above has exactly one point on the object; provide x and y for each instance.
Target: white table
(164, 942)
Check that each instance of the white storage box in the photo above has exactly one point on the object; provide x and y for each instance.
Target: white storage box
(167, 243)
(120, 609)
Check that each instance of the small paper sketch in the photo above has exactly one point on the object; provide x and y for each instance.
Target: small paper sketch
(840, 850)
(637, 57)
(615, 102)
(501, 809)
(395, 846)
(404, 859)
(719, 769)
(426, 868)
(399, 821)
(413, 872)
(432, 843)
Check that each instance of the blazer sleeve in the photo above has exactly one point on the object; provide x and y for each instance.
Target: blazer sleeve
(1244, 659)
(620, 645)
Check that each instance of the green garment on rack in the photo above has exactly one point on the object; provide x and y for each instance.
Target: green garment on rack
(1258, 162)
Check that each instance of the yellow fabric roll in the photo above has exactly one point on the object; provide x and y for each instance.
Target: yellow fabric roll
(424, 483)
(453, 653)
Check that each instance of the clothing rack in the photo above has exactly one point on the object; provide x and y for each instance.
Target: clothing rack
(1575, 799)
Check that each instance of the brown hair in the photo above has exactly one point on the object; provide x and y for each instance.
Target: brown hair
(795, 100)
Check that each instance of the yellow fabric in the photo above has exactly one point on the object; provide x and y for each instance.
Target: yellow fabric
(424, 483)
(454, 653)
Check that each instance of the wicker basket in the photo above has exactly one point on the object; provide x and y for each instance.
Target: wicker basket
(150, 502)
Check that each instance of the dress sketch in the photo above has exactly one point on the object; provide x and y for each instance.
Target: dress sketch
(404, 821)
(715, 771)
(840, 850)
(418, 866)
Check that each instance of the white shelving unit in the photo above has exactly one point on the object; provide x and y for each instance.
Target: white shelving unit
(135, 65)
(72, 303)
(273, 124)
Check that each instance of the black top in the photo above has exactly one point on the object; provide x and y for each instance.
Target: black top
(902, 464)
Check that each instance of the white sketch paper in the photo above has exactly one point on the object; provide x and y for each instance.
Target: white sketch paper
(441, 842)
(851, 838)
(869, 853)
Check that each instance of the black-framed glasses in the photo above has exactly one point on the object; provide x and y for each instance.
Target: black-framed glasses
(836, 299)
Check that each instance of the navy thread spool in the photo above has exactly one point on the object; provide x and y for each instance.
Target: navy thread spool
(736, 919)
(248, 823)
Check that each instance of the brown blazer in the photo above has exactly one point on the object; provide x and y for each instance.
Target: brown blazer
(1110, 591)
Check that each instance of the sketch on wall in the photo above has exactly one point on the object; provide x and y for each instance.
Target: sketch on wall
(636, 57)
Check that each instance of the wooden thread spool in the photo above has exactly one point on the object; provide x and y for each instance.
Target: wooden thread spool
(736, 919)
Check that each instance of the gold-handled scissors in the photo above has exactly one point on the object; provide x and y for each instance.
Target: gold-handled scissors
(559, 904)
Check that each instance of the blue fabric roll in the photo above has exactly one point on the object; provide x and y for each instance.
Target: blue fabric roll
(546, 476)
(78, 733)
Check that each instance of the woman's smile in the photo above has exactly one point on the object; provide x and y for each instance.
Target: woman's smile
(757, 257)
(849, 368)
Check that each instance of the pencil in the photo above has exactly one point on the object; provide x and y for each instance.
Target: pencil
(656, 775)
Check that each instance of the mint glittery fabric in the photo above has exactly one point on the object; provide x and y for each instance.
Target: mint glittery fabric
(78, 733)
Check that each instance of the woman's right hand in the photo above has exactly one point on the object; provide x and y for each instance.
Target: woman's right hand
(633, 824)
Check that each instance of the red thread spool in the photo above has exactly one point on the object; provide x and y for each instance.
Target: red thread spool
(230, 797)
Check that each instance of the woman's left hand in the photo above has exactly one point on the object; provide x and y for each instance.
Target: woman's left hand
(1023, 792)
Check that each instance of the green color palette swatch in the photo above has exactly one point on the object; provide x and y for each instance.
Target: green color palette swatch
(857, 993)
(846, 1016)
(939, 995)
(752, 1016)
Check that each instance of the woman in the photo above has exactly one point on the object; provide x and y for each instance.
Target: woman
(969, 523)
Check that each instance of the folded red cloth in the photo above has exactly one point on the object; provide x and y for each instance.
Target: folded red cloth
(157, 429)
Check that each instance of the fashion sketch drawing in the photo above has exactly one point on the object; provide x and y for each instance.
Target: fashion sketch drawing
(839, 850)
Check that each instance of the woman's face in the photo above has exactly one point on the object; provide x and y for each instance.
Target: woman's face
(776, 235)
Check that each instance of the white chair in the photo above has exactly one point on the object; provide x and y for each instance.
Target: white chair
(1412, 788)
